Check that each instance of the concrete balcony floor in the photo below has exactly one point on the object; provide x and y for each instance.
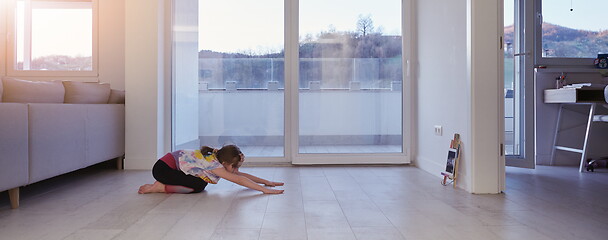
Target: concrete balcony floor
(277, 151)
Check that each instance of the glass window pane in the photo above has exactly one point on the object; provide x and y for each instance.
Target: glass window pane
(512, 141)
(350, 76)
(54, 35)
(574, 29)
(241, 75)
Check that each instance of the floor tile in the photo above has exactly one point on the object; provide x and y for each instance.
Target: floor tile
(377, 233)
(236, 234)
(334, 233)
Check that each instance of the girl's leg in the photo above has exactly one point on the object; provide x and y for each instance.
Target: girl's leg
(158, 187)
(174, 180)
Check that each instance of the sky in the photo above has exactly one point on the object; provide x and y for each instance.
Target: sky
(586, 14)
(46, 20)
(236, 25)
(248, 25)
(56, 31)
(257, 26)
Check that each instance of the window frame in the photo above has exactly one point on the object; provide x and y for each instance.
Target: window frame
(539, 60)
(11, 44)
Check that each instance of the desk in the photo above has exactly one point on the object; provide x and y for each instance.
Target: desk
(589, 96)
(574, 95)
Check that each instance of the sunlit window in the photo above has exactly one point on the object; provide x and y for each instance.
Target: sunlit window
(53, 35)
(573, 29)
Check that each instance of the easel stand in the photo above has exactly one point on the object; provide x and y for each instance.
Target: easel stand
(451, 168)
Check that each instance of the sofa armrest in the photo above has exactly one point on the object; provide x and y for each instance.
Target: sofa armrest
(13, 145)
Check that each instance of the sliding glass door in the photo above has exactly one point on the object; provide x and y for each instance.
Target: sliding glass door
(350, 77)
(290, 81)
(241, 75)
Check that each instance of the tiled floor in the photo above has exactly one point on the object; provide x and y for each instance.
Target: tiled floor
(337, 202)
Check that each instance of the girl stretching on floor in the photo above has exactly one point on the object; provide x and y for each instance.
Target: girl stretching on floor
(189, 171)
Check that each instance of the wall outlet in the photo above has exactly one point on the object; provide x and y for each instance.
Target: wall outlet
(438, 130)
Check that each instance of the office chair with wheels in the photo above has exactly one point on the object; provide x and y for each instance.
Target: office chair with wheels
(591, 163)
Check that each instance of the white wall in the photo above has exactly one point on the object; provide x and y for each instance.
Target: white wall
(443, 89)
(145, 79)
(112, 43)
(457, 88)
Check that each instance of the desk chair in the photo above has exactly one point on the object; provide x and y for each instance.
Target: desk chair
(599, 118)
(602, 118)
(592, 117)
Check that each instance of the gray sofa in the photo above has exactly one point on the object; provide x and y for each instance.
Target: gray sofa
(55, 127)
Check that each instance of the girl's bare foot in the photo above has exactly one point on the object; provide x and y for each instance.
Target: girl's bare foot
(156, 187)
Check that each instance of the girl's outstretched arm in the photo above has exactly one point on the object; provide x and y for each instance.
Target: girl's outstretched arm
(254, 178)
(243, 181)
(259, 180)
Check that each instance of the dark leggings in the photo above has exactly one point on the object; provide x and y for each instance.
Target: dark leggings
(175, 180)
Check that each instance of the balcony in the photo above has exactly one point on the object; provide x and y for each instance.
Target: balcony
(357, 108)
(331, 121)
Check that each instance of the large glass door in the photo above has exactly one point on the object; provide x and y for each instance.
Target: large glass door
(291, 81)
(184, 64)
(518, 80)
(241, 75)
(350, 80)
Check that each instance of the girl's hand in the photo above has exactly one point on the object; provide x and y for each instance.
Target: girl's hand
(273, 184)
(272, 191)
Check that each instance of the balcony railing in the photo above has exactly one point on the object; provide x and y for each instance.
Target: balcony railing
(358, 111)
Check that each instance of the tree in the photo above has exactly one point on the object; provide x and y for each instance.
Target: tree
(365, 25)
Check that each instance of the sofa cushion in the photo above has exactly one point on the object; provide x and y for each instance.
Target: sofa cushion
(56, 139)
(117, 97)
(86, 92)
(24, 91)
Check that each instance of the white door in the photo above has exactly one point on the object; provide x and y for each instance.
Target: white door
(519, 84)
